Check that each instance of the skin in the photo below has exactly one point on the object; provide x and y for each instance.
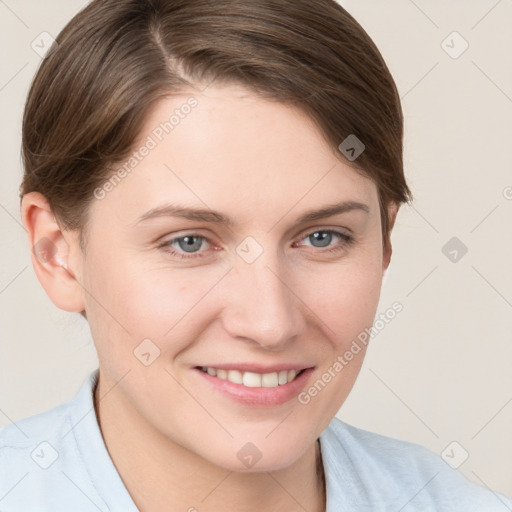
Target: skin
(262, 164)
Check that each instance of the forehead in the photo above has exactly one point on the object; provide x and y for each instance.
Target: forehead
(230, 150)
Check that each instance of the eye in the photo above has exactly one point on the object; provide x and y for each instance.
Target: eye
(324, 237)
(187, 245)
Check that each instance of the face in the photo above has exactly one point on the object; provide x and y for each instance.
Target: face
(255, 291)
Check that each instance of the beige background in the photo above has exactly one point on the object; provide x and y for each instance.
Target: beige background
(441, 370)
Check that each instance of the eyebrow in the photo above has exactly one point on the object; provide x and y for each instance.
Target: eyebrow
(211, 216)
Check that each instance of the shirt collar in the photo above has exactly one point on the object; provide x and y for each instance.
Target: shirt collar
(94, 453)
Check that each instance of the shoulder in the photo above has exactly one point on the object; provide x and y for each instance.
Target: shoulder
(22, 442)
(40, 464)
(31, 454)
(401, 474)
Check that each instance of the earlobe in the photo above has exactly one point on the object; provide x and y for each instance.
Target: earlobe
(51, 251)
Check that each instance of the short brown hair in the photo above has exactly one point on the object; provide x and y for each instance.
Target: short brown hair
(116, 58)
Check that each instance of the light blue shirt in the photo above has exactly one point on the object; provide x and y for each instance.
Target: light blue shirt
(56, 461)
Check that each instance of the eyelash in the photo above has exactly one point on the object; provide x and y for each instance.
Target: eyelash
(346, 240)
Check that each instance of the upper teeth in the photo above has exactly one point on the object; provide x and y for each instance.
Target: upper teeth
(251, 379)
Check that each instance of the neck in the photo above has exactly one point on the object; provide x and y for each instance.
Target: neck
(147, 462)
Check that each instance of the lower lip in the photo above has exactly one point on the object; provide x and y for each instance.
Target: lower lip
(261, 396)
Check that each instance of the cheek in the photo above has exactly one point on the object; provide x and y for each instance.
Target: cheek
(346, 301)
(162, 299)
(141, 302)
(344, 296)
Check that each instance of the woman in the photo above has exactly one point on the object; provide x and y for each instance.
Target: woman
(213, 185)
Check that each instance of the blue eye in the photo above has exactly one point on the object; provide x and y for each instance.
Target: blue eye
(189, 243)
(324, 239)
(188, 246)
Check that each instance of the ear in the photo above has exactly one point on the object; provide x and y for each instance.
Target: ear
(392, 212)
(55, 253)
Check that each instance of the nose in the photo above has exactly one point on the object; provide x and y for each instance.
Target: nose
(260, 303)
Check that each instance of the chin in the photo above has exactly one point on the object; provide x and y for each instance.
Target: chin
(245, 456)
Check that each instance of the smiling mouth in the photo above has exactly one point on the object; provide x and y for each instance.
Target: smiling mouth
(252, 379)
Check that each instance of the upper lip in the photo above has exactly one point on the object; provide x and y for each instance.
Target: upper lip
(257, 368)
